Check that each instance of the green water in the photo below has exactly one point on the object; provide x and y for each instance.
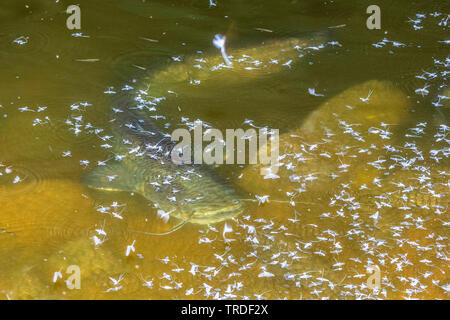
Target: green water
(49, 220)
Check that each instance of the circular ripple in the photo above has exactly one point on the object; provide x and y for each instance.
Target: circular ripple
(60, 131)
(50, 214)
(18, 179)
(24, 41)
(139, 62)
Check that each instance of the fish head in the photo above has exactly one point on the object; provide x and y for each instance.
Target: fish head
(198, 195)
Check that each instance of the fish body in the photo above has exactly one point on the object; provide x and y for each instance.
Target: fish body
(143, 163)
(185, 191)
(247, 64)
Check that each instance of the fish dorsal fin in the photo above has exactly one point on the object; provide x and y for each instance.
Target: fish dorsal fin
(112, 177)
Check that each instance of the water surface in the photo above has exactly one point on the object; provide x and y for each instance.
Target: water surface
(374, 192)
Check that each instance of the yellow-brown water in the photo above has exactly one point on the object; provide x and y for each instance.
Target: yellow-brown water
(317, 246)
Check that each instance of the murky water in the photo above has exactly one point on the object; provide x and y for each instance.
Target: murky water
(362, 188)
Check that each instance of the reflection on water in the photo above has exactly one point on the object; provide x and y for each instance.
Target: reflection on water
(362, 187)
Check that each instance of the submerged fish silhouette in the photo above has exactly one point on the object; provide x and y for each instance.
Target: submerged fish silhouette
(190, 192)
